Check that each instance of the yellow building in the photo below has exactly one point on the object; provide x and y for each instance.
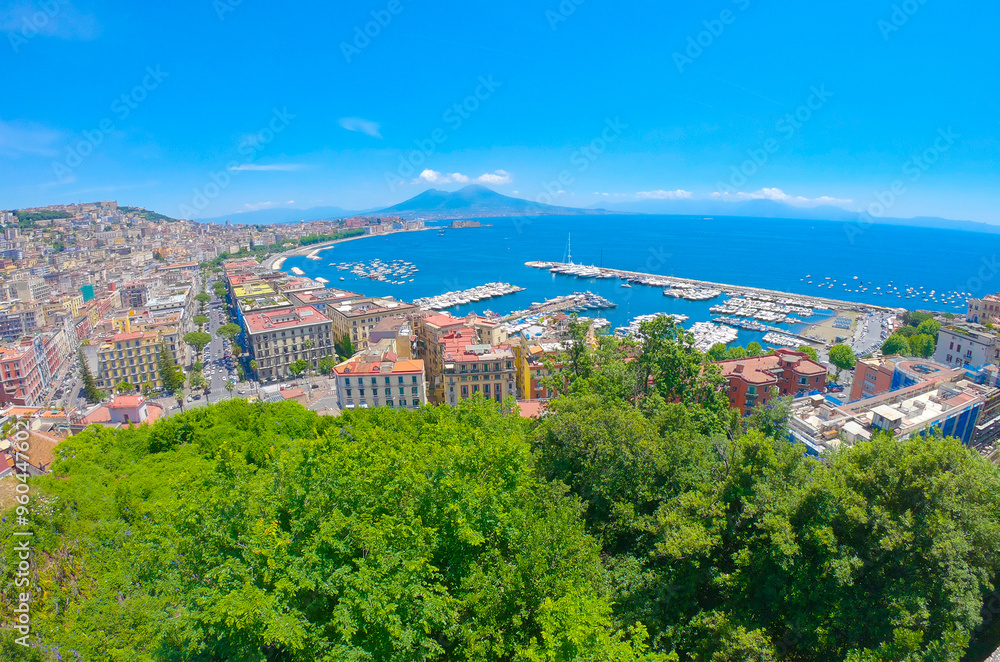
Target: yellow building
(129, 357)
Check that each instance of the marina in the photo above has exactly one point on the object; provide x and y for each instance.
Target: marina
(698, 290)
(462, 297)
(394, 272)
(569, 303)
(632, 330)
(707, 334)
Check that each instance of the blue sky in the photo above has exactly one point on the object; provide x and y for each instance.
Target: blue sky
(206, 108)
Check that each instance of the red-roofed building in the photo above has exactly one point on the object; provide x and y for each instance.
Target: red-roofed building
(278, 338)
(470, 367)
(124, 410)
(749, 381)
(380, 379)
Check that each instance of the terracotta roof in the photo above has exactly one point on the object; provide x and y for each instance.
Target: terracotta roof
(764, 369)
(367, 367)
(127, 401)
(284, 318)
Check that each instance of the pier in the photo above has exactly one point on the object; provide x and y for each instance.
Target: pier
(821, 303)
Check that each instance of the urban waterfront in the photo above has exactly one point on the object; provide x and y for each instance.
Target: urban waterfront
(776, 254)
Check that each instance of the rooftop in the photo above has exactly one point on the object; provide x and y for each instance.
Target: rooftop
(283, 318)
(764, 369)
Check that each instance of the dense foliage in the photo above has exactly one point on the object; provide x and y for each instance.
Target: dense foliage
(639, 519)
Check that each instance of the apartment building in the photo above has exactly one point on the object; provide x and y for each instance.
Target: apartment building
(873, 376)
(278, 338)
(983, 310)
(129, 357)
(379, 378)
(946, 403)
(470, 368)
(21, 378)
(968, 345)
(320, 299)
(357, 318)
(431, 328)
(749, 381)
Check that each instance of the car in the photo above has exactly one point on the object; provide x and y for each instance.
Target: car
(315, 385)
(241, 392)
(197, 397)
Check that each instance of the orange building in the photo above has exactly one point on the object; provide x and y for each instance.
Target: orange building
(749, 381)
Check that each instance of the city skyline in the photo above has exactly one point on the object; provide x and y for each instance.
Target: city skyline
(571, 104)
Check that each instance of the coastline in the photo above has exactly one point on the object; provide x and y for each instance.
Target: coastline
(275, 262)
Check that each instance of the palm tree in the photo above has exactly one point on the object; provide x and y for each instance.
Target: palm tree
(229, 387)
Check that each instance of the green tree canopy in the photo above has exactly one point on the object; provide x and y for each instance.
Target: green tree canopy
(298, 367)
(896, 344)
(922, 345)
(842, 357)
(253, 532)
(229, 331)
(197, 339)
(806, 349)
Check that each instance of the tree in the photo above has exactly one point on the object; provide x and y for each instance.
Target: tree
(717, 352)
(200, 320)
(198, 340)
(179, 397)
(229, 387)
(229, 331)
(806, 349)
(90, 390)
(913, 318)
(253, 365)
(202, 298)
(922, 345)
(842, 357)
(237, 350)
(326, 365)
(896, 344)
(930, 328)
(754, 349)
(124, 387)
(308, 344)
(170, 373)
(344, 347)
(298, 367)
(196, 380)
(417, 536)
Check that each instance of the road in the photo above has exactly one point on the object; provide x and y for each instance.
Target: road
(869, 333)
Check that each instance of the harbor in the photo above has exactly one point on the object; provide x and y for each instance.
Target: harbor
(577, 302)
(754, 297)
(463, 297)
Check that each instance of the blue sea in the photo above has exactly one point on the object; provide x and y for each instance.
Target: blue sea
(778, 254)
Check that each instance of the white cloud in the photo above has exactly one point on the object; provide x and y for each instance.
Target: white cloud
(434, 177)
(362, 126)
(27, 139)
(290, 202)
(679, 194)
(778, 195)
(269, 167)
(258, 205)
